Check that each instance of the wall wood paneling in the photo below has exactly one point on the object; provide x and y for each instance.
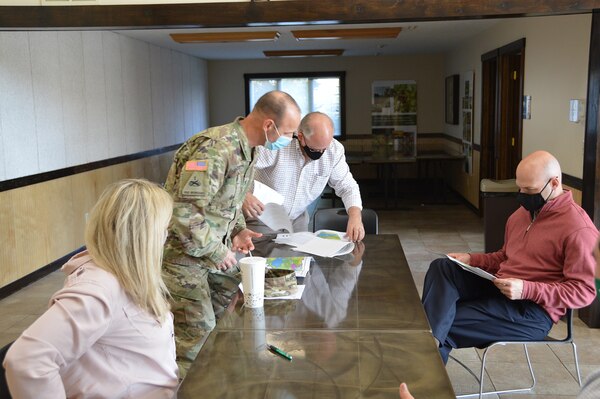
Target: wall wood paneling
(42, 222)
(79, 110)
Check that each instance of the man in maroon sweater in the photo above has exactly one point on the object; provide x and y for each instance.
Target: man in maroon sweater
(545, 266)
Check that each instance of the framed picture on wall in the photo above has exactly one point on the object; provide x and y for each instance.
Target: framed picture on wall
(452, 99)
(394, 116)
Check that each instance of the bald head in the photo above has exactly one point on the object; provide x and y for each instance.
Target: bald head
(536, 169)
(277, 105)
(275, 114)
(317, 129)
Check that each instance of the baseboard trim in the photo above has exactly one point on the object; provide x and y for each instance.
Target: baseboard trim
(24, 281)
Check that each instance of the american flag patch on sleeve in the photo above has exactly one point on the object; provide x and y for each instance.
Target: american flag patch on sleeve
(196, 165)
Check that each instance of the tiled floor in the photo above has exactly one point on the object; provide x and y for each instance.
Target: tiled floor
(424, 231)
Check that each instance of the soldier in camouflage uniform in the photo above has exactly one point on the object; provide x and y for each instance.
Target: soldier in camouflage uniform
(208, 180)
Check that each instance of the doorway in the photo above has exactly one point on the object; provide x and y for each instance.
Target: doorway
(502, 110)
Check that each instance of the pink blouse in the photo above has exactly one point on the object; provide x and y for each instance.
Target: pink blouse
(93, 342)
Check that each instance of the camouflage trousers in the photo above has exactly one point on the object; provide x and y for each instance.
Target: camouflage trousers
(199, 297)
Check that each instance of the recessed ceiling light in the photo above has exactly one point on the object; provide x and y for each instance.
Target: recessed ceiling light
(222, 37)
(364, 33)
(303, 53)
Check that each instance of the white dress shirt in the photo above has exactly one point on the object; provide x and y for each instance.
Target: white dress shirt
(301, 181)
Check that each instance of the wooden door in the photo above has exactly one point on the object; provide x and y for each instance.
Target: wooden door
(489, 119)
(502, 109)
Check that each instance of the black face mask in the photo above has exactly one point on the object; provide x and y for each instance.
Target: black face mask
(314, 155)
(533, 202)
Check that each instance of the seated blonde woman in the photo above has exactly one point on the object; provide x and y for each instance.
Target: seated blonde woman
(108, 332)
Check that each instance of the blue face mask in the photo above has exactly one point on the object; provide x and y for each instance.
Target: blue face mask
(281, 142)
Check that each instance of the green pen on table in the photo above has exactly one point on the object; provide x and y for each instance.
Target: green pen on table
(279, 352)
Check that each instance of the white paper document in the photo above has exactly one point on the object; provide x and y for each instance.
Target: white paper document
(266, 194)
(294, 239)
(325, 243)
(274, 215)
(276, 218)
(474, 270)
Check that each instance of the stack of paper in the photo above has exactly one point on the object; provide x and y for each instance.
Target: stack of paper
(315, 244)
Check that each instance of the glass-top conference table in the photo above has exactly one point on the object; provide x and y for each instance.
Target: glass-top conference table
(358, 332)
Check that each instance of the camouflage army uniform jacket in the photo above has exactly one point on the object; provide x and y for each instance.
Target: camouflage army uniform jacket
(208, 180)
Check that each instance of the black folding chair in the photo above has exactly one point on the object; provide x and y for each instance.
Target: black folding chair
(568, 340)
(337, 219)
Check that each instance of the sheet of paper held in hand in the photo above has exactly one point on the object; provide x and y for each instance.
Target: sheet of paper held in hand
(474, 270)
(274, 215)
(276, 218)
(266, 194)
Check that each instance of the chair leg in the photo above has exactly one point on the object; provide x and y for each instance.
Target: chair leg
(482, 375)
(576, 363)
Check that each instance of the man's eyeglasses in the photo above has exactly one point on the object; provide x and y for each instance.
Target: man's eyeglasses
(311, 149)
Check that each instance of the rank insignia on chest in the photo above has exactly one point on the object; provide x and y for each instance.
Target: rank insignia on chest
(198, 166)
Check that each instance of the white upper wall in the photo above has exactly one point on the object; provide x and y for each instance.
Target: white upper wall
(69, 98)
(226, 85)
(556, 70)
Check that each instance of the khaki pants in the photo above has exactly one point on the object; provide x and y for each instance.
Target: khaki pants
(298, 224)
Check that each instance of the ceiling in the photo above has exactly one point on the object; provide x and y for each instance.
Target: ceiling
(415, 38)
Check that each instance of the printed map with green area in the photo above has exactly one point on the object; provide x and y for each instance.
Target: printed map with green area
(292, 263)
(329, 235)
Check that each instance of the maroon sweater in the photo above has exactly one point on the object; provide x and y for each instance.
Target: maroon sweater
(552, 254)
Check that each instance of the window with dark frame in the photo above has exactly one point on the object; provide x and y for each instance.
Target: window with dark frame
(313, 91)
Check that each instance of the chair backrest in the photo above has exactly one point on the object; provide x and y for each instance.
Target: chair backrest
(337, 219)
(568, 318)
(4, 392)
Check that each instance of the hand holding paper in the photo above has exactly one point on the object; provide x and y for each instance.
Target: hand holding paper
(512, 288)
(463, 257)
(252, 207)
(266, 205)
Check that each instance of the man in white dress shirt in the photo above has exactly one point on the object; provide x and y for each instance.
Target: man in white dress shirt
(300, 172)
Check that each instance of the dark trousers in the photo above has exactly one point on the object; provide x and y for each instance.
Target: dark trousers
(465, 310)
(4, 393)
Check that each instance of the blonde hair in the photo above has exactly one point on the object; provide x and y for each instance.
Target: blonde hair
(125, 235)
